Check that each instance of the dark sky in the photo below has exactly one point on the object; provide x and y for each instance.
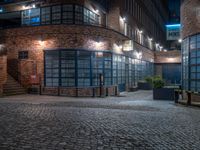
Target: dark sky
(174, 7)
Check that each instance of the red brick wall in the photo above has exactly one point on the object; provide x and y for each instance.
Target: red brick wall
(3, 72)
(36, 39)
(81, 92)
(190, 17)
(168, 57)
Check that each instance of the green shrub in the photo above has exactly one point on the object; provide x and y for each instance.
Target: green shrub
(149, 80)
(158, 82)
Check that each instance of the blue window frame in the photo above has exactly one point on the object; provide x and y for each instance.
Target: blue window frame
(81, 68)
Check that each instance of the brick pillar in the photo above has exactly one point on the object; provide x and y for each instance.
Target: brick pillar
(3, 72)
(190, 17)
(113, 19)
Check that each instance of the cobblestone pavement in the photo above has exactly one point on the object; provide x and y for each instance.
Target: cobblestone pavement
(130, 122)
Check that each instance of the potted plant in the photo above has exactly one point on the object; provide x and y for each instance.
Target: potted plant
(160, 92)
(146, 84)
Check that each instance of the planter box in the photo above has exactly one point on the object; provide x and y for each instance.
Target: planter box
(144, 86)
(165, 94)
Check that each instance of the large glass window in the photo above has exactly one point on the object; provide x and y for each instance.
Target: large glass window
(107, 68)
(68, 68)
(84, 65)
(67, 14)
(31, 17)
(46, 15)
(191, 63)
(78, 14)
(52, 68)
(97, 70)
(79, 68)
(56, 14)
(115, 69)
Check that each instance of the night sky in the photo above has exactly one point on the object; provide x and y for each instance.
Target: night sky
(174, 7)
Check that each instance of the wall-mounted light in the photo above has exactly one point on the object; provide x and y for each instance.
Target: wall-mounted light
(120, 46)
(180, 40)
(96, 11)
(1, 9)
(123, 19)
(150, 39)
(98, 39)
(28, 6)
(33, 6)
(1, 46)
(41, 40)
(140, 31)
(138, 55)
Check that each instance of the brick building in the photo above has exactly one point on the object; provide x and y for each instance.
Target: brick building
(190, 19)
(81, 47)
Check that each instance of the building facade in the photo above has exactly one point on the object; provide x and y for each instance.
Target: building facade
(81, 47)
(190, 14)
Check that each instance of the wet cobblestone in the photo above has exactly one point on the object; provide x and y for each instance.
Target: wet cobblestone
(121, 123)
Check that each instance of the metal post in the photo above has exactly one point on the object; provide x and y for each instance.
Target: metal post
(101, 84)
(189, 98)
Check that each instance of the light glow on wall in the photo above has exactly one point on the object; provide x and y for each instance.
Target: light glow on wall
(96, 11)
(1, 46)
(123, 19)
(138, 55)
(97, 44)
(180, 40)
(117, 48)
(170, 59)
(42, 43)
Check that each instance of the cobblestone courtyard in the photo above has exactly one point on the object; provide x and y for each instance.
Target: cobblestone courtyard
(134, 122)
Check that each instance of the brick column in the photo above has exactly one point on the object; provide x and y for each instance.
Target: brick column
(190, 17)
(3, 74)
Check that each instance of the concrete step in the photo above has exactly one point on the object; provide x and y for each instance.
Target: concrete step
(14, 93)
(12, 87)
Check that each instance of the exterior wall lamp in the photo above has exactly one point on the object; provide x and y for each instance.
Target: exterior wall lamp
(140, 31)
(150, 39)
(96, 11)
(123, 19)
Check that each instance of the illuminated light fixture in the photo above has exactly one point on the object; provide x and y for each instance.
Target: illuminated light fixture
(33, 6)
(140, 31)
(41, 40)
(150, 39)
(1, 10)
(122, 18)
(96, 11)
(180, 40)
(173, 25)
(1, 46)
(98, 39)
(120, 46)
(138, 55)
